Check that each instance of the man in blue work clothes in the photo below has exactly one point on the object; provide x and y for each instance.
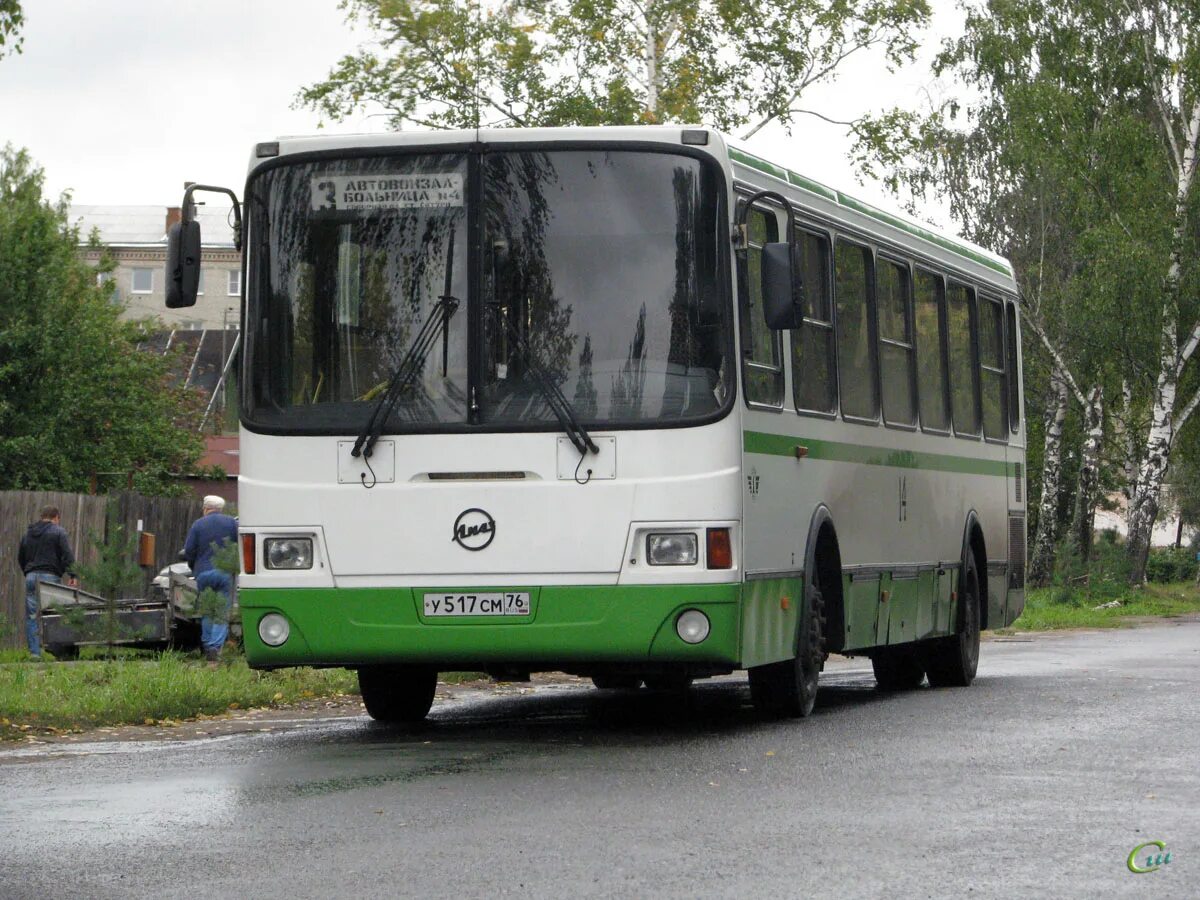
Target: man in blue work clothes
(44, 555)
(207, 534)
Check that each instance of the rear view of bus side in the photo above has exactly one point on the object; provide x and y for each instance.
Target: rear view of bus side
(622, 402)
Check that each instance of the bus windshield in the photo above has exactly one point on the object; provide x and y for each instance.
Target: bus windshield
(596, 268)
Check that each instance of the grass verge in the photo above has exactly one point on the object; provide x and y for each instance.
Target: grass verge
(1053, 608)
(52, 697)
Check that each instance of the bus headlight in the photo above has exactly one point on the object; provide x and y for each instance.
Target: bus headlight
(671, 549)
(273, 629)
(692, 626)
(288, 553)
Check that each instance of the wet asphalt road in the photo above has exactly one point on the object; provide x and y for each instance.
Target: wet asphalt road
(1067, 752)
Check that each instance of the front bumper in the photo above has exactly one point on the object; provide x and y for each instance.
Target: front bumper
(569, 625)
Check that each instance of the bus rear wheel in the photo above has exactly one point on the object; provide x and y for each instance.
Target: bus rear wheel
(789, 688)
(397, 693)
(953, 661)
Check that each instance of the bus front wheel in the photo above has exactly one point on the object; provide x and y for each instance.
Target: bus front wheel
(397, 693)
(953, 661)
(789, 688)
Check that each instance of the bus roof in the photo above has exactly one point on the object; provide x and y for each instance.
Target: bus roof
(939, 238)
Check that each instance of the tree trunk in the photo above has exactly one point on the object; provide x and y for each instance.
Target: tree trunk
(1082, 522)
(1041, 564)
(1129, 437)
(651, 59)
(1143, 509)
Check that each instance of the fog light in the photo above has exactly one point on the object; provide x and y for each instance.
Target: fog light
(274, 629)
(692, 626)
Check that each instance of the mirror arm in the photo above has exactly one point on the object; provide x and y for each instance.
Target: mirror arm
(741, 234)
(188, 211)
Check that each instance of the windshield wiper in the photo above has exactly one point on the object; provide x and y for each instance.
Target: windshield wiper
(437, 322)
(559, 405)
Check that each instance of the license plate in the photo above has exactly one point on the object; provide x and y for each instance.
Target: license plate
(486, 604)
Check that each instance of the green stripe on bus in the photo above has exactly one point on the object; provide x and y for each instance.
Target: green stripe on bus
(835, 451)
(843, 199)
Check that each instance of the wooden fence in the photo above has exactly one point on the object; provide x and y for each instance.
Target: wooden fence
(86, 520)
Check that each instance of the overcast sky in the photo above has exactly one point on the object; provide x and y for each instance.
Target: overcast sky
(122, 102)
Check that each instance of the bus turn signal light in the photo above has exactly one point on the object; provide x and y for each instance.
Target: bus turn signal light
(248, 557)
(720, 550)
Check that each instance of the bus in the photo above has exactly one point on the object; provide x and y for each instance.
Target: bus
(629, 403)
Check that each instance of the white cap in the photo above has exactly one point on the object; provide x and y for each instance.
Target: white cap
(212, 501)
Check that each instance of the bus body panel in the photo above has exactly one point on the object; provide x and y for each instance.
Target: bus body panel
(900, 498)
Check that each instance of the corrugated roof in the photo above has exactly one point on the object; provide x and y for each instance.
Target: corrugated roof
(123, 225)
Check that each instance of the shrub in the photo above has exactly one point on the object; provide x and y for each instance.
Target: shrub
(1168, 564)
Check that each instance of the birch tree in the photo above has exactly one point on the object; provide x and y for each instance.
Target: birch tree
(731, 65)
(1167, 36)
(1041, 558)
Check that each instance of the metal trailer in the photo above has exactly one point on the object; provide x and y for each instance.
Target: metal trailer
(70, 618)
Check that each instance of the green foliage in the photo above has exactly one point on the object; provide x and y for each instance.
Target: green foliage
(1105, 576)
(465, 63)
(1044, 611)
(76, 395)
(115, 572)
(113, 575)
(11, 20)
(212, 603)
(1170, 564)
(90, 694)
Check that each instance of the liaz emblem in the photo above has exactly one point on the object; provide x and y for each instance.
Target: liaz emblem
(474, 529)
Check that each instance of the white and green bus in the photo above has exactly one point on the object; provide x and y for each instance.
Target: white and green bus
(628, 403)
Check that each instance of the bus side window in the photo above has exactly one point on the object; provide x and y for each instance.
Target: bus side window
(1014, 387)
(814, 379)
(895, 343)
(964, 390)
(763, 365)
(991, 369)
(855, 344)
(931, 344)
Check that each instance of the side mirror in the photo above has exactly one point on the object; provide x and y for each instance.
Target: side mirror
(781, 288)
(183, 264)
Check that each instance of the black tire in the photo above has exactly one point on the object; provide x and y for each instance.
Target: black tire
(671, 682)
(617, 682)
(397, 693)
(953, 661)
(898, 668)
(789, 688)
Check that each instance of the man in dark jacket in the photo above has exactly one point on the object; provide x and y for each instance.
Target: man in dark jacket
(44, 555)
